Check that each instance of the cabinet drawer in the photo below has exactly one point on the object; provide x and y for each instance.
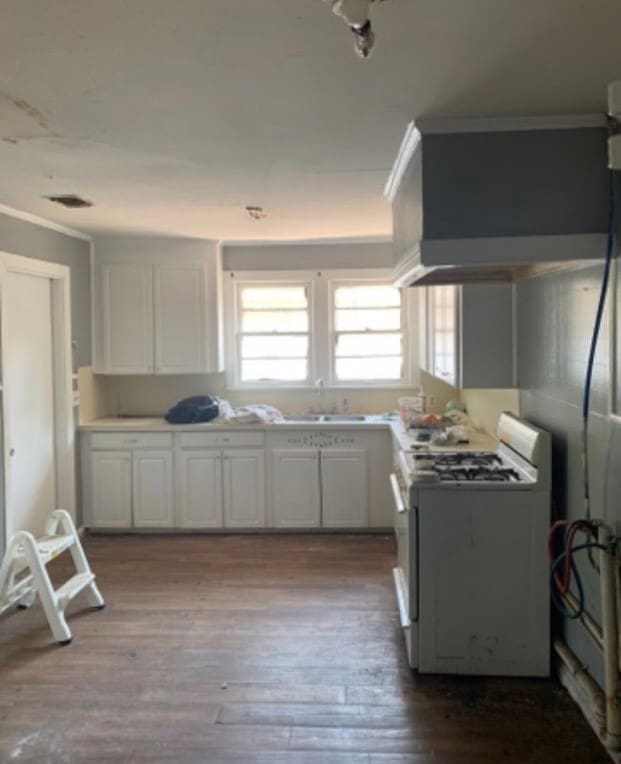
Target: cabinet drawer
(220, 439)
(108, 440)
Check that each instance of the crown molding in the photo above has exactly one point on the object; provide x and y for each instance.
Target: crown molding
(28, 217)
(410, 141)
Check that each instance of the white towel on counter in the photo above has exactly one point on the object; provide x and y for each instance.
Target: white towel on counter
(253, 413)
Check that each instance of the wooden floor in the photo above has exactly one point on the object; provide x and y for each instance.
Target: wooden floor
(258, 649)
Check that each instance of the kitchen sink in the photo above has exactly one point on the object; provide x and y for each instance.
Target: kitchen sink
(325, 418)
(304, 418)
(344, 418)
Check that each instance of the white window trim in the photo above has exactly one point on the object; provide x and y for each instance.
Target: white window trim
(321, 352)
(234, 282)
(333, 285)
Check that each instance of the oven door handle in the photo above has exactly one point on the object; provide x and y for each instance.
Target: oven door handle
(396, 491)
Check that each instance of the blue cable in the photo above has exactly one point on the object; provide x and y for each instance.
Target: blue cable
(586, 401)
(558, 604)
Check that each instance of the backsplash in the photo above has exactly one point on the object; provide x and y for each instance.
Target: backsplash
(154, 395)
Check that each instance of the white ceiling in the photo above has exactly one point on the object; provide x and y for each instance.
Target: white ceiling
(172, 116)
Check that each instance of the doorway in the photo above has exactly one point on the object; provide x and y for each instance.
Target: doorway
(37, 413)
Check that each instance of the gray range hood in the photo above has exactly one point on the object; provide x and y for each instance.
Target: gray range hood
(478, 200)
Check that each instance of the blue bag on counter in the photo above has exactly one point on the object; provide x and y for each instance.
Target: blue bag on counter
(198, 408)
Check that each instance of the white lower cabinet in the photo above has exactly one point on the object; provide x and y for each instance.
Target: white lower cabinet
(220, 489)
(111, 489)
(296, 500)
(199, 489)
(131, 489)
(244, 488)
(344, 488)
(152, 482)
(201, 479)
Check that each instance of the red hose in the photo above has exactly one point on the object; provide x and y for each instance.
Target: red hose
(563, 583)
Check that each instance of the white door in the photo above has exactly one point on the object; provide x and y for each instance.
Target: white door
(28, 360)
(199, 489)
(127, 314)
(344, 488)
(180, 311)
(111, 489)
(244, 488)
(295, 488)
(152, 489)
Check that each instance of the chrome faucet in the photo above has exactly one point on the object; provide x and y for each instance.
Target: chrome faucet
(320, 392)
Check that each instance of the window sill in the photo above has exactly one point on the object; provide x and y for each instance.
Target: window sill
(311, 388)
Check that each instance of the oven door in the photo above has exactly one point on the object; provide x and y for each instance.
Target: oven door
(400, 495)
(404, 573)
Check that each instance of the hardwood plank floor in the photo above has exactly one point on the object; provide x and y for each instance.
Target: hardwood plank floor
(262, 650)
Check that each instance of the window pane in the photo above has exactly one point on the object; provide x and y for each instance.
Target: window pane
(363, 320)
(368, 344)
(274, 346)
(367, 296)
(362, 369)
(280, 321)
(270, 297)
(274, 371)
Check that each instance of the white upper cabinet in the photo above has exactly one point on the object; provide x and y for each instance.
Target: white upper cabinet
(127, 318)
(468, 335)
(156, 306)
(180, 319)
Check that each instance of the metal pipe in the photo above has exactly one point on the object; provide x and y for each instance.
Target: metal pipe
(611, 637)
(591, 626)
(583, 688)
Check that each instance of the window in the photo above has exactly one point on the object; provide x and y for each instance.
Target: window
(443, 312)
(289, 329)
(368, 334)
(273, 333)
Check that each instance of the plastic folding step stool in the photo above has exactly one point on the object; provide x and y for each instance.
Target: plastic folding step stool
(23, 574)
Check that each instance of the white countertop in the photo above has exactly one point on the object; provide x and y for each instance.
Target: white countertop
(479, 441)
(159, 424)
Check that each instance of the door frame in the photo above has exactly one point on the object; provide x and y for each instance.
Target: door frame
(64, 441)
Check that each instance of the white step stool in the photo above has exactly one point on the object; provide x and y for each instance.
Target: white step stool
(28, 556)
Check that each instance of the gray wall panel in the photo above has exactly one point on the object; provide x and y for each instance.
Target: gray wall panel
(515, 183)
(21, 238)
(292, 256)
(555, 320)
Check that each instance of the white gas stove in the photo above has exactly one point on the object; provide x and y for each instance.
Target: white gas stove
(472, 577)
(522, 461)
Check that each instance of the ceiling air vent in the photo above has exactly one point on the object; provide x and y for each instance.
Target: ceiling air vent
(70, 200)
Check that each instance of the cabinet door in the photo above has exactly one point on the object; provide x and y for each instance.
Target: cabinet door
(180, 319)
(295, 495)
(152, 489)
(127, 315)
(344, 489)
(111, 489)
(244, 488)
(199, 489)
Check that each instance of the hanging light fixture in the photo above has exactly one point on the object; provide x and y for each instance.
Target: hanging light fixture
(355, 13)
